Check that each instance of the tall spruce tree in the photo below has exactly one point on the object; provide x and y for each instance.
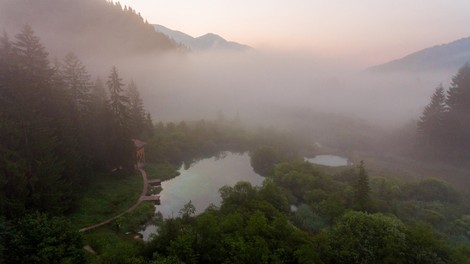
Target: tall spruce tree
(431, 125)
(458, 101)
(149, 129)
(362, 189)
(120, 146)
(77, 82)
(118, 101)
(136, 110)
(31, 140)
(98, 124)
(13, 169)
(32, 58)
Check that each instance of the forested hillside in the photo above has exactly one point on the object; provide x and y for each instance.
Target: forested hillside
(87, 27)
(59, 127)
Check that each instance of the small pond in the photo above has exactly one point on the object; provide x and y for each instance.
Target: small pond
(329, 160)
(201, 183)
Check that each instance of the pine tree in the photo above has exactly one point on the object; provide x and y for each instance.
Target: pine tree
(97, 124)
(13, 165)
(32, 137)
(431, 126)
(118, 102)
(136, 109)
(33, 60)
(77, 82)
(149, 129)
(362, 189)
(119, 144)
(458, 100)
(458, 96)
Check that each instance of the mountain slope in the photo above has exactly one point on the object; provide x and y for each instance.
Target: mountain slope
(86, 27)
(449, 56)
(207, 42)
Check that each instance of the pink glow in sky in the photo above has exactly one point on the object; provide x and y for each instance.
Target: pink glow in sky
(371, 31)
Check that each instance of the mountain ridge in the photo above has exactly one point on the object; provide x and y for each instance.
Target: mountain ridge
(203, 43)
(448, 56)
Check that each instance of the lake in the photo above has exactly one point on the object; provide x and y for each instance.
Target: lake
(201, 183)
(329, 160)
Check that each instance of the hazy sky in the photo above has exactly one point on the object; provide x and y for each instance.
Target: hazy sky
(369, 31)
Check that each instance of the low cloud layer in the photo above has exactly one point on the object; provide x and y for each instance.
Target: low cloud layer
(194, 86)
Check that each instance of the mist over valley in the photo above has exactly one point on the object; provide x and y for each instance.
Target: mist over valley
(284, 138)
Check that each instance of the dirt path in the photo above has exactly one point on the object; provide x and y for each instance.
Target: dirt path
(132, 208)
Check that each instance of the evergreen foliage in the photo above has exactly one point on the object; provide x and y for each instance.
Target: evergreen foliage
(99, 22)
(458, 101)
(118, 102)
(120, 146)
(137, 113)
(431, 123)
(444, 127)
(56, 128)
(362, 189)
(77, 81)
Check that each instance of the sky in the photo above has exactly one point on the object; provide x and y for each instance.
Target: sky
(369, 31)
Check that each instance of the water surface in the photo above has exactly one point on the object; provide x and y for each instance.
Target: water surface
(202, 181)
(329, 160)
(200, 184)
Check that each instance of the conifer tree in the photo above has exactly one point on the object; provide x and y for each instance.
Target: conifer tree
(118, 101)
(77, 82)
(120, 146)
(458, 101)
(33, 129)
(33, 60)
(136, 110)
(97, 125)
(431, 126)
(362, 189)
(149, 129)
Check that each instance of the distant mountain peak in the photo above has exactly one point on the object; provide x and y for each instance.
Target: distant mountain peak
(206, 42)
(211, 35)
(449, 56)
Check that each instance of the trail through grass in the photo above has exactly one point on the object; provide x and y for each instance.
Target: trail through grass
(105, 197)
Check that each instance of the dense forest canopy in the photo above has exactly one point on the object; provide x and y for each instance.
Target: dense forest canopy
(58, 128)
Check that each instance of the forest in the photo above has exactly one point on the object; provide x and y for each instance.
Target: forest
(67, 160)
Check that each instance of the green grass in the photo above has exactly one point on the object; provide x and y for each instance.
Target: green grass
(105, 197)
(133, 221)
(111, 246)
(162, 171)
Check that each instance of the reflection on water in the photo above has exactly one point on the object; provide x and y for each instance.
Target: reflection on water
(200, 184)
(329, 160)
(202, 181)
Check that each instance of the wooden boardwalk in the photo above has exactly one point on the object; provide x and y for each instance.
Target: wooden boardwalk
(143, 197)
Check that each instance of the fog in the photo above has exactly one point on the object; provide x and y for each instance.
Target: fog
(263, 87)
(258, 85)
